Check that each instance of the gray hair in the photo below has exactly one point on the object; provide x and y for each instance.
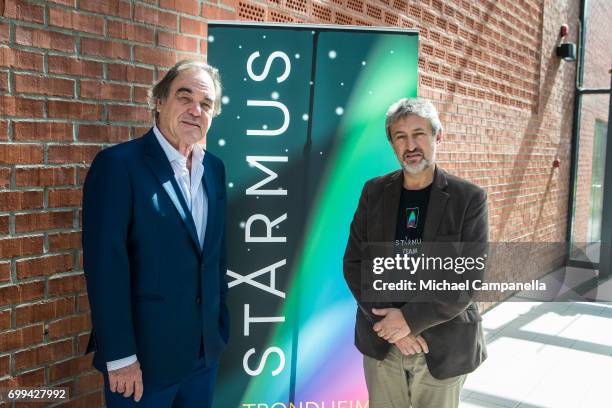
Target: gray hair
(417, 106)
(161, 89)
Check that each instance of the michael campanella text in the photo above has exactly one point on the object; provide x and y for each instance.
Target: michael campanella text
(444, 285)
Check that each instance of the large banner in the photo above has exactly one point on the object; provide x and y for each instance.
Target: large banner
(302, 129)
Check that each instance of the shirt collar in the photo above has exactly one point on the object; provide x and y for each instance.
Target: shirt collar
(172, 154)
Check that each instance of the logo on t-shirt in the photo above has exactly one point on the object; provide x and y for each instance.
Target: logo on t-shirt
(412, 217)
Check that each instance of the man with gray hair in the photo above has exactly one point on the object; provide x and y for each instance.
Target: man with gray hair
(416, 354)
(154, 251)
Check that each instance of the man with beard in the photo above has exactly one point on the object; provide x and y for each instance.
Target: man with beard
(416, 354)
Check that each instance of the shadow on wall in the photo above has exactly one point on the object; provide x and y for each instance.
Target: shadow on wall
(525, 152)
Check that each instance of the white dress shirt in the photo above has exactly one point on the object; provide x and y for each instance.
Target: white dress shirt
(192, 188)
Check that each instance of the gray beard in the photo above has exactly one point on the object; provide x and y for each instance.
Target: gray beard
(416, 169)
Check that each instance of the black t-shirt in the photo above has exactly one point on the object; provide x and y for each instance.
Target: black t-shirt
(411, 215)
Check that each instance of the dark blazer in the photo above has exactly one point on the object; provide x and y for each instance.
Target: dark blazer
(153, 290)
(457, 212)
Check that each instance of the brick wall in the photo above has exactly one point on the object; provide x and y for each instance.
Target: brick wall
(73, 80)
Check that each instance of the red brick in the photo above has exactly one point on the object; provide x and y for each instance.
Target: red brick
(72, 153)
(83, 303)
(82, 174)
(44, 310)
(47, 265)
(183, 6)
(65, 198)
(69, 3)
(10, 57)
(66, 285)
(4, 33)
(116, 8)
(73, 20)
(20, 154)
(105, 48)
(4, 81)
(5, 362)
(5, 272)
(69, 326)
(212, 12)
(123, 113)
(131, 32)
(103, 133)
(69, 368)
(4, 125)
(19, 338)
(101, 90)
(150, 15)
(154, 56)
(38, 84)
(193, 26)
(44, 39)
(176, 41)
(5, 177)
(82, 341)
(141, 94)
(130, 73)
(42, 131)
(20, 200)
(74, 66)
(31, 378)
(13, 294)
(89, 382)
(16, 106)
(5, 319)
(4, 225)
(74, 110)
(45, 176)
(43, 354)
(64, 240)
(43, 221)
(24, 10)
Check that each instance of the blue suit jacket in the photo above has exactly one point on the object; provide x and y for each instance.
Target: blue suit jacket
(153, 291)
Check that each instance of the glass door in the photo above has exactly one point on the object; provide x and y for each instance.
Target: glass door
(591, 157)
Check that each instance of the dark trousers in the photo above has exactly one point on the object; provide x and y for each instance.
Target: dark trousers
(194, 390)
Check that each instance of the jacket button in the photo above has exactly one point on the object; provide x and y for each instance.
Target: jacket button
(198, 300)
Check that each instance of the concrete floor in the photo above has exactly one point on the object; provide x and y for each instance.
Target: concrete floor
(547, 354)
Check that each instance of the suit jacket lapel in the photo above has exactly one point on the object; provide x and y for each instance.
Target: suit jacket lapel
(159, 164)
(391, 198)
(211, 193)
(437, 205)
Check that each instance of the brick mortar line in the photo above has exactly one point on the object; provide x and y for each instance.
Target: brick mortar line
(41, 257)
(37, 211)
(30, 166)
(33, 347)
(43, 234)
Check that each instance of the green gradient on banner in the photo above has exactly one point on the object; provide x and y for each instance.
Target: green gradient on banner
(357, 74)
(360, 152)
